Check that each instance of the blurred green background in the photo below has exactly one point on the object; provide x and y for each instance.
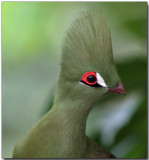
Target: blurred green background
(32, 33)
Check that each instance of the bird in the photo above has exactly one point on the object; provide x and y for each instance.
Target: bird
(87, 74)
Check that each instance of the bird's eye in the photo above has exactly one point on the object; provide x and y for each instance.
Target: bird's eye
(89, 78)
(93, 79)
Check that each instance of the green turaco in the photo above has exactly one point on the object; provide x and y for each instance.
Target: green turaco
(87, 74)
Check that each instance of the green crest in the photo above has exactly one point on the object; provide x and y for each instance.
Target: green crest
(87, 46)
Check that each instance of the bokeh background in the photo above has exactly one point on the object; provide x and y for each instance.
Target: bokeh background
(32, 33)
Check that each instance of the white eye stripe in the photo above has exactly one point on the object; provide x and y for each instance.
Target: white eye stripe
(84, 84)
(100, 80)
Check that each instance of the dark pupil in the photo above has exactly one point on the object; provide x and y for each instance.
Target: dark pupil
(91, 78)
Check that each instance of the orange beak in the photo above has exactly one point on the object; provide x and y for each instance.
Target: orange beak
(119, 90)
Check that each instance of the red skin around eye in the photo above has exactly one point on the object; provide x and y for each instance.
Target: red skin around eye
(84, 77)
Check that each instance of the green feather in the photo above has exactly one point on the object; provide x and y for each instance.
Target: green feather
(87, 46)
(61, 132)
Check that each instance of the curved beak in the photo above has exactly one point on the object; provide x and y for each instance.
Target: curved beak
(119, 90)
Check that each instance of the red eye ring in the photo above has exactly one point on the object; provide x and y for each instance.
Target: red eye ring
(89, 78)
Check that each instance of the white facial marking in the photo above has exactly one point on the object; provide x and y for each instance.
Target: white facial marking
(84, 84)
(100, 80)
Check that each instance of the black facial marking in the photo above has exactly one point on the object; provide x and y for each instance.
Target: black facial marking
(94, 85)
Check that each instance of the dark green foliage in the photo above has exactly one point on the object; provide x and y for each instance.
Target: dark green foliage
(137, 129)
(134, 74)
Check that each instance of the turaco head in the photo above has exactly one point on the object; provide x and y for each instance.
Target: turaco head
(87, 67)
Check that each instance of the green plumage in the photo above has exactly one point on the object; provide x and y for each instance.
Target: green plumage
(61, 132)
(87, 46)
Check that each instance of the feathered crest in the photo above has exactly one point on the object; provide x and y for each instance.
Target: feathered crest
(87, 45)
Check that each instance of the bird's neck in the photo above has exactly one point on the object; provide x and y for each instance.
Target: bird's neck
(71, 117)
